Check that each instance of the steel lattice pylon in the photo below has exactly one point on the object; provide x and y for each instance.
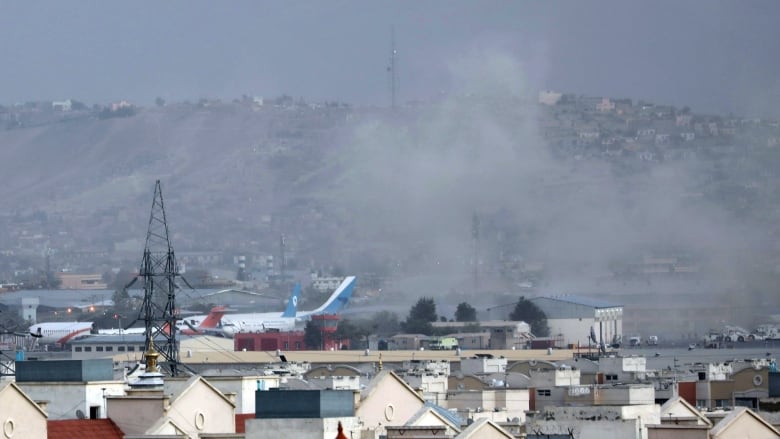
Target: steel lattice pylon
(159, 271)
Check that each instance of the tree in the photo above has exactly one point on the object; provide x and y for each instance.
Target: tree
(78, 106)
(123, 278)
(354, 331)
(385, 323)
(121, 300)
(312, 336)
(465, 313)
(420, 317)
(528, 312)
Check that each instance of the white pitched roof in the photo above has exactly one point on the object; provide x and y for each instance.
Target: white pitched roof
(737, 417)
(373, 384)
(473, 430)
(679, 408)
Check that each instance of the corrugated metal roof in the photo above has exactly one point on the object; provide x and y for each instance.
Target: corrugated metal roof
(581, 300)
(454, 418)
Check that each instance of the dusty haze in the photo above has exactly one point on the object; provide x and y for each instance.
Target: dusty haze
(355, 184)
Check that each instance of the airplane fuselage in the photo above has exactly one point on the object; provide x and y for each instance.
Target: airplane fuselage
(59, 332)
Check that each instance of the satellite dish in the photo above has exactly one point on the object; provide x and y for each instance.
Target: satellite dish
(80, 414)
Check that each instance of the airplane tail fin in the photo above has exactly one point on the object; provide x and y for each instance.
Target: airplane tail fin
(292, 304)
(212, 320)
(338, 300)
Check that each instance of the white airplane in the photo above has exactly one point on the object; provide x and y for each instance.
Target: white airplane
(228, 327)
(59, 332)
(286, 321)
(210, 325)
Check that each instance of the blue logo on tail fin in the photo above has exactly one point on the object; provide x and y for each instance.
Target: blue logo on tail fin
(340, 301)
(292, 304)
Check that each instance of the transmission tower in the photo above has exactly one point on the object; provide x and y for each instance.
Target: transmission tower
(159, 271)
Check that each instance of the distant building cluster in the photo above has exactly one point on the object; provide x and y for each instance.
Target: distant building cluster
(403, 394)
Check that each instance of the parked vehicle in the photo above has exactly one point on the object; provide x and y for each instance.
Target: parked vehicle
(735, 333)
(444, 343)
(765, 332)
(652, 340)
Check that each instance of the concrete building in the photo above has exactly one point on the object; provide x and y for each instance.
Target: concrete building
(617, 369)
(472, 340)
(561, 377)
(74, 281)
(406, 341)
(608, 422)
(243, 387)
(325, 284)
(503, 334)
(510, 403)
(65, 105)
(433, 386)
(70, 389)
(197, 409)
(547, 97)
(575, 318)
(482, 364)
(417, 432)
(305, 414)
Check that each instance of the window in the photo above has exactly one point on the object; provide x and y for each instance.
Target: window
(78, 349)
(87, 348)
(611, 377)
(702, 376)
(297, 345)
(99, 348)
(722, 403)
(543, 392)
(287, 345)
(94, 412)
(109, 348)
(701, 403)
(120, 348)
(130, 348)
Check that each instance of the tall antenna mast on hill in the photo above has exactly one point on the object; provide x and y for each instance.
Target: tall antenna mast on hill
(159, 271)
(282, 259)
(391, 68)
(475, 237)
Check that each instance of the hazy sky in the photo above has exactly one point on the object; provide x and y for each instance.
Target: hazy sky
(714, 56)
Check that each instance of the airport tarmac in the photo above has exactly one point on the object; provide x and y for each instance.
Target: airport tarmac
(659, 357)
